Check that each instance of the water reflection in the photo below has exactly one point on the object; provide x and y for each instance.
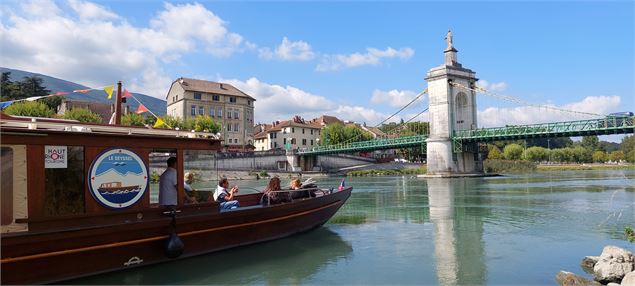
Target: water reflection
(286, 261)
(458, 236)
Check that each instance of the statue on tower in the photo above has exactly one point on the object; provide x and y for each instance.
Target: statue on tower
(448, 38)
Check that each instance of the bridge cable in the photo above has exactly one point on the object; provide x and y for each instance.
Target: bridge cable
(412, 118)
(391, 116)
(481, 90)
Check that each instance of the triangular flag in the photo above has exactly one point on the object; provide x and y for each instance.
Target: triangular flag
(142, 108)
(159, 123)
(60, 93)
(82, 90)
(126, 93)
(108, 90)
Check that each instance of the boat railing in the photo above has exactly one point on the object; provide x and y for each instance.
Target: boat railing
(78, 127)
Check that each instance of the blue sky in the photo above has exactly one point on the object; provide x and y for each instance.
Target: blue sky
(357, 60)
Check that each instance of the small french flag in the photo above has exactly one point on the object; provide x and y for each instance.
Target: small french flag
(342, 185)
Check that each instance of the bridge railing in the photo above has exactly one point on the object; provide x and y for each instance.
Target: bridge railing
(369, 145)
(566, 128)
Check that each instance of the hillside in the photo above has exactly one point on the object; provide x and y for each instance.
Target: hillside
(156, 105)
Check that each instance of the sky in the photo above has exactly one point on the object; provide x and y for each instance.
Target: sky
(360, 61)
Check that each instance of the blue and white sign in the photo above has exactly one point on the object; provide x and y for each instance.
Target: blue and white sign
(118, 178)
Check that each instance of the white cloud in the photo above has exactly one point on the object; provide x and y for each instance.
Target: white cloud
(492, 87)
(394, 98)
(496, 117)
(289, 51)
(372, 56)
(88, 10)
(96, 47)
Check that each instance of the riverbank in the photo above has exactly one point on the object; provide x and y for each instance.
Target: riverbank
(582, 167)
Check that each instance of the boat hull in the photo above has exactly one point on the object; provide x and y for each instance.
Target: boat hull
(56, 256)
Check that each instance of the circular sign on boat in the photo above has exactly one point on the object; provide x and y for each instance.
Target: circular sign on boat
(118, 178)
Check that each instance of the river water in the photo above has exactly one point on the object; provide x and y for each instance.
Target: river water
(518, 229)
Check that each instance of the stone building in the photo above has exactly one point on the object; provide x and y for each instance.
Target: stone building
(287, 134)
(227, 105)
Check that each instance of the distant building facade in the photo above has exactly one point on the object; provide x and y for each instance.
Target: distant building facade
(104, 110)
(287, 134)
(227, 105)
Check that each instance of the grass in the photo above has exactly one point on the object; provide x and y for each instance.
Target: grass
(397, 172)
(508, 166)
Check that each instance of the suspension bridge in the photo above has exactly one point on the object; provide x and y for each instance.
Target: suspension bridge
(454, 144)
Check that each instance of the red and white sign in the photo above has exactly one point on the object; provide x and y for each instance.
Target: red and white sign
(55, 157)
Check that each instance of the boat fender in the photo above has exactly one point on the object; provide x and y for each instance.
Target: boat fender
(173, 246)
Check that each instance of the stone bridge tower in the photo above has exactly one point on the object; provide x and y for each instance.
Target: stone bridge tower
(451, 108)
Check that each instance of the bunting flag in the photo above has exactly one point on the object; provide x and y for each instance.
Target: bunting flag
(142, 108)
(159, 123)
(60, 93)
(83, 90)
(126, 93)
(108, 90)
(342, 186)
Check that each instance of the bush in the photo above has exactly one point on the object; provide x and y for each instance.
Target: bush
(133, 119)
(82, 115)
(205, 123)
(513, 152)
(29, 108)
(508, 166)
(494, 153)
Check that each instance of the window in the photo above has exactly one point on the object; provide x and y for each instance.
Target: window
(173, 99)
(236, 140)
(229, 113)
(303, 141)
(197, 95)
(64, 187)
(248, 102)
(192, 160)
(201, 110)
(193, 111)
(292, 129)
(215, 97)
(177, 97)
(275, 144)
(220, 112)
(302, 130)
(284, 140)
(212, 111)
(311, 142)
(311, 131)
(232, 99)
(229, 127)
(236, 113)
(236, 127)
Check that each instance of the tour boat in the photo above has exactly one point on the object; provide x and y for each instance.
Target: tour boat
(60, 219)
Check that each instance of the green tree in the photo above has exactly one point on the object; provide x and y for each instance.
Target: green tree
(494, 153)
(513, 152)
(172, 122)
(536, 154)
(599, 156)
(558, 155)
(82, 115)
(52, 102)
(338, 133)
(616, 156)
(132, 119)
(590, 142)
(205, 123)
(628, 147)
(33, 86)
(9, 90)
(581, 154)
(29, 108)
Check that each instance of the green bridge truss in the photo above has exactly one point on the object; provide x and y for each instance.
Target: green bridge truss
(464, 139)
(370, 145)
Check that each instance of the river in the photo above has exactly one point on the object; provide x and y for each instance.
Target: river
(518, 229)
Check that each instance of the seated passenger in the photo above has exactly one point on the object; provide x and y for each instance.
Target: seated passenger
(190, 193)
(271, 194)
(296, 185)
(224, 197)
